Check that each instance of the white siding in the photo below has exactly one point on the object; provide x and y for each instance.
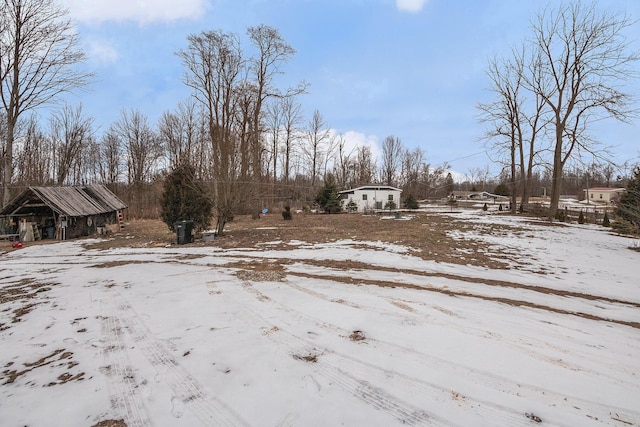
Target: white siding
(372, 198)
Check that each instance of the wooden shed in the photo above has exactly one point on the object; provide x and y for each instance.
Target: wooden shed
(62, 212)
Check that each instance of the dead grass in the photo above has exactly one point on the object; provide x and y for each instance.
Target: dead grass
(426, 235)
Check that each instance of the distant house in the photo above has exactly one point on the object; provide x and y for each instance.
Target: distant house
(484, 195)
(372, 197)
(63, 212)
(604, 194)
(474, 195)
(461, 195)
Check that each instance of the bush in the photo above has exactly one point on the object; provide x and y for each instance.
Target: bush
(391, 205)
(502, 190)
(410, 202)
(581, 218)
(286, 213)
(352, 206)
(485, 207)
(605, 221)
(622, 226)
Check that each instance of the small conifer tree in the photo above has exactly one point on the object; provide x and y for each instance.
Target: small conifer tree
(485, 207)
(628, 210)
(410, 202)
(605, 221)
(328, 197)
(581, 218)
(184, 198)
(286, 213)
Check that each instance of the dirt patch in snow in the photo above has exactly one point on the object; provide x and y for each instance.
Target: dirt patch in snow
(443, 290)
(357, 336)
(59, 358)
(429, 236)
(21, 298)
(110, 423)
(259, 270)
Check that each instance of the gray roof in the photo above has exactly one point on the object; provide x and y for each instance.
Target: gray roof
(378, 187)
(73, 201)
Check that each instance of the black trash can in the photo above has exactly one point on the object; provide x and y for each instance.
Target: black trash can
(184, 230)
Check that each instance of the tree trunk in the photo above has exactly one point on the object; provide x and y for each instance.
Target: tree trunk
(514, 200)
(556, 175)
(7, 176)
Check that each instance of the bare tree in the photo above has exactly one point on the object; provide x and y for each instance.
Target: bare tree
(505, 115)
(585, 61)
(141, 146)
(87, 169)
(39, 54)
(33, 155)
(275, 121)
(436, 181)
(214, 66)
(315, 149)
(343, 166)
(110, 165)
(392, 150)
(291, 119)
(413, 162)
(179, 132)
(70, 130)
(272, 52)
(365, 166)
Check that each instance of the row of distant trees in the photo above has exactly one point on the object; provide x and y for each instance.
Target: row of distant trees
(247, 139)
(243, 135)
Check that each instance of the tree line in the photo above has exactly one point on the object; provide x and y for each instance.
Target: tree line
(247, 139)
(244, 136)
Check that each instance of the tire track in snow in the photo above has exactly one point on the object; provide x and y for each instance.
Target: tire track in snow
(484, 409)
(187, 391)
(371, 395)
(449, 400)
(123, 389)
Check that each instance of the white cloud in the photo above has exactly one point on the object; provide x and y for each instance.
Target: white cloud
(410, 5)
(140, 11)
(354, 139)
(102, 52)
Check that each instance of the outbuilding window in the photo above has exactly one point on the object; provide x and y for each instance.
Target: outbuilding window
(364, 197)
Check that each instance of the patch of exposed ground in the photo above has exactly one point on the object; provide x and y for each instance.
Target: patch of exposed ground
(348, 266)
(21, 298)
(428, 236)
(110, 423)
(111, 264)
(58, 358)
(449, 292)
(259, 270)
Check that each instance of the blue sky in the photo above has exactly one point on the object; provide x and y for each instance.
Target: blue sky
(414, 69)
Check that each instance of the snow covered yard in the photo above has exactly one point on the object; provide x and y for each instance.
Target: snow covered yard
(351, 332)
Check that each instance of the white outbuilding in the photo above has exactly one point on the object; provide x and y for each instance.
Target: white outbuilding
(371, 197)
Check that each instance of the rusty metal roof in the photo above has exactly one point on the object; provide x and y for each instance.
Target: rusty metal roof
(72, 201)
